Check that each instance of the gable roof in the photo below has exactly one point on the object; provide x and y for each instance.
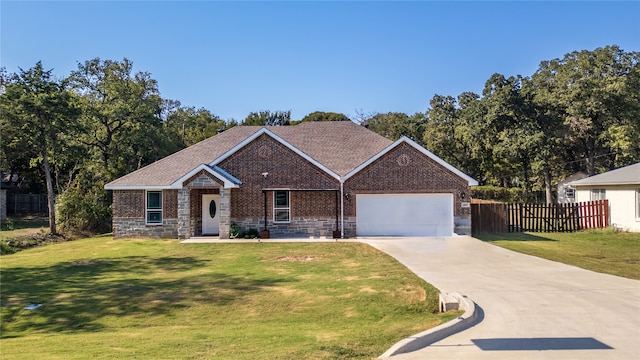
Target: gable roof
(329, 145)
(404, 139)
(170, 169)
(339, 148)
(332, 143)
(628, 175)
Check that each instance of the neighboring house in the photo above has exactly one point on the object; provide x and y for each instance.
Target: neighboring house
(622, 188)
(315, 179)
(566, 193)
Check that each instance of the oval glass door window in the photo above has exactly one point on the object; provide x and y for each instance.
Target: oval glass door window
(212, 209)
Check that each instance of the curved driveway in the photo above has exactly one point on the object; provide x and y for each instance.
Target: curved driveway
(533, 308)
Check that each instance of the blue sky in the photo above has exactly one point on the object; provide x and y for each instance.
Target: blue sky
(233, 58)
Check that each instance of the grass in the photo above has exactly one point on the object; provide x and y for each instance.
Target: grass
(23, 226)
(21, 233)
(103, 298)
(606, 251)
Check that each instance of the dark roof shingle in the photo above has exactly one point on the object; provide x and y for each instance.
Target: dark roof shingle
(339, 146)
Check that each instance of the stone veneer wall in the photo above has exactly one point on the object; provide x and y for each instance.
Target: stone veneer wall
(298, 227)
(131, 227)
(462, 224)
(349, 226)
(190, 205)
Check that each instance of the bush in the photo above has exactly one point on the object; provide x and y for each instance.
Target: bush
(83, 213)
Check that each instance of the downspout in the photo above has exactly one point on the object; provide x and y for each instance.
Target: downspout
(342, 207)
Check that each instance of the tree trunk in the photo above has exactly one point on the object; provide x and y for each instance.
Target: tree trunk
(50, 193)
(591, 160)
(547, 184)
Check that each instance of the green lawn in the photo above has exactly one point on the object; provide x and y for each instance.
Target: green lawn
(23, 226)
(605, 251)
(159, 299)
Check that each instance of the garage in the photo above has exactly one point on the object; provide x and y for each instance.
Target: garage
(404, 214)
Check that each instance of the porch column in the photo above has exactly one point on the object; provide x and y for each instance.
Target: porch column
(225, 212)
(184, 213)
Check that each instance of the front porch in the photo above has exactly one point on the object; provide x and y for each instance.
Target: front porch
(191, 203)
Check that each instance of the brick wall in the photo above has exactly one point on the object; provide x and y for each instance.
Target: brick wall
(310, 211)
(170, 204)
(128, 204)
(406, 170)
(129, 215)
(313, 213)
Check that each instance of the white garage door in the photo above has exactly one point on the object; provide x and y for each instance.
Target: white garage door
(404, 215)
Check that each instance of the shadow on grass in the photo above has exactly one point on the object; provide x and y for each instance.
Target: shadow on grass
(75, 295)
(512, 237)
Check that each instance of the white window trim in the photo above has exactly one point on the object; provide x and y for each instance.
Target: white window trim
(601, 192)
(146, 208)
(288, 208)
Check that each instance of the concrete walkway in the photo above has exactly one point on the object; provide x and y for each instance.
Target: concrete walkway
(532, 308)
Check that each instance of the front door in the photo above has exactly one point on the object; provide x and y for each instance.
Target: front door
(210, 214)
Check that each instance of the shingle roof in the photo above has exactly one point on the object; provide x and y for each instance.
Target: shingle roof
(166, 171)
(628, 175)
(339, 146)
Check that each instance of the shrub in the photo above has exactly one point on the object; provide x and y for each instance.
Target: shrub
(83, 213)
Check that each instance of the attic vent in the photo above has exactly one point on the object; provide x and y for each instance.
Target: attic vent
(404, 160)
(264, 152)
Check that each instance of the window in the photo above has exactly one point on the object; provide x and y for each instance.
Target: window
(570, 193)
(154, 207)
(598, 194)
(281, 207)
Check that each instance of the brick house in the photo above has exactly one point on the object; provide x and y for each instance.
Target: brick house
(315, 179)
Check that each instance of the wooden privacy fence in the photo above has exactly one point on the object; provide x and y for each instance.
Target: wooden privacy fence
(502, 217)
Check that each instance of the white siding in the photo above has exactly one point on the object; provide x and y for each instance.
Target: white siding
(622, 204)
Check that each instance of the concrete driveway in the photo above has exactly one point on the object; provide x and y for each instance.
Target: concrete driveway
(533, 308)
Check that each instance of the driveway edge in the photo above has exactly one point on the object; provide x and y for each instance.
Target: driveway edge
(418, 341)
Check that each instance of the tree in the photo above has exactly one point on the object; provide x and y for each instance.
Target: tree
(452, 131)
(38, 115)
(122, 130)
(325, 116)
(514, 134)
(595, 95)
(267, 118)
(395, 125)
(191, 125)
(121, 116)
